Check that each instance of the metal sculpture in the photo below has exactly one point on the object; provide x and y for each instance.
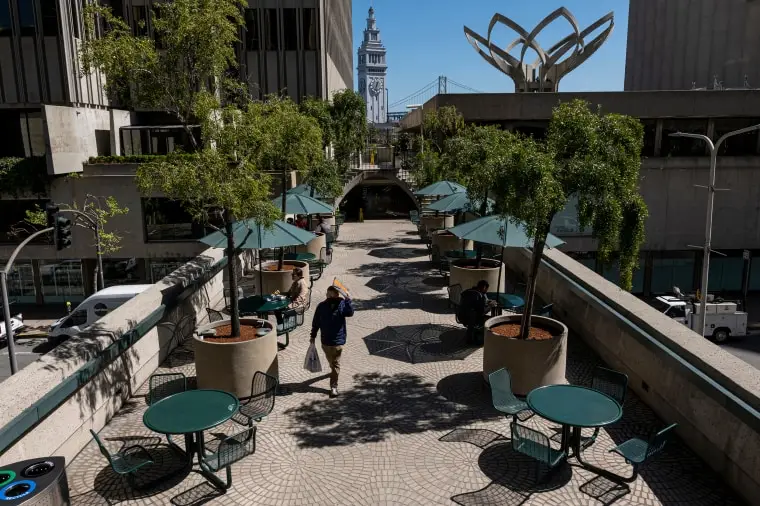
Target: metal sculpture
(545, 73)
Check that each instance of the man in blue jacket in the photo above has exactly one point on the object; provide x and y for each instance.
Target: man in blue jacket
(330, 319)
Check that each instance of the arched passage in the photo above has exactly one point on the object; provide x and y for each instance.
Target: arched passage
(379, 193)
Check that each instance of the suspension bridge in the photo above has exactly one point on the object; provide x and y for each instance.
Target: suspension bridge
(438, 86)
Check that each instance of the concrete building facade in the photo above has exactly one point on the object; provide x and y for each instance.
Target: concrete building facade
(671, 167)
(373, 72)
(58, 120)
(684, 44)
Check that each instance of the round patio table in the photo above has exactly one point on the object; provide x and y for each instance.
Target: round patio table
(190, 413)
(458, 253)
(575, 407)
(302, 257)
(262, 305)
(507, 300)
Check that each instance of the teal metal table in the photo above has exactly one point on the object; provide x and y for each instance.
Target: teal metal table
(262, 305)
(302, 257)
(576, 407)
(190, 413)
(507, 300)
(458, 253)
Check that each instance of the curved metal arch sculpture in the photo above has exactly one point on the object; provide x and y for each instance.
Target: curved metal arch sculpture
(545, 73)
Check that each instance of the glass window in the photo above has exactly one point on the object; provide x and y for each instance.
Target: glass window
(739, 145)
(611, 272)
(159, 269)
(309, 26)
(25, 10)
(270, 25)
(252, 36)
(21, 282)
(77, 318)
(13, 228)
(725, 273)
(140, 20)
(5, 19)
(49, 17)
(683, 146)
(100, 310)
(167, 220)
(121, 271)
(676, 312)
(290, 29)
(754, 273)
(62, 280)
(650, 135)
(674, 271)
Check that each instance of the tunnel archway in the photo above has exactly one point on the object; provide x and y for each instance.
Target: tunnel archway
(380, 194)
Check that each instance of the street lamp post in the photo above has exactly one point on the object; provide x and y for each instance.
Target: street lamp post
(709, 216)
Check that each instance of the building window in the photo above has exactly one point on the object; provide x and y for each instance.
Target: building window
(252, 36)
(140, 20)
(739, 145)
(673, 269)
(75, 18)
(650, 136)
(309, 26)
(49, 17)
(725, 274)
(159, 269)
(270, 25)
(62, 280)
(25, 9)
(611, 272)
(13, 229)
(121, 271)
(290, 29)
(683, 146)
(5, 19)
(21, 282)
(167, 220)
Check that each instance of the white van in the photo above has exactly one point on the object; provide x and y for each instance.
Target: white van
(92, 309)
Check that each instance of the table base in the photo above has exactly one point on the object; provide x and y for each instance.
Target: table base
(195, 446)
(572, 441)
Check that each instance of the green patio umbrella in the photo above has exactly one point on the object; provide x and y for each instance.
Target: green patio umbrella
(250, 234)
(441, 188)
(302, 204)
(456, 202)
(304, 189)
(499, 231)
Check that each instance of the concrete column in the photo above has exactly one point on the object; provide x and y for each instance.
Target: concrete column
(658, 138)
(39, 298)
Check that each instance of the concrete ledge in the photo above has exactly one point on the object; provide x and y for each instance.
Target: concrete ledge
(684, 378)
(65, 429)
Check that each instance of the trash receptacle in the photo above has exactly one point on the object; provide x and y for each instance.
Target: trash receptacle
(35, 482)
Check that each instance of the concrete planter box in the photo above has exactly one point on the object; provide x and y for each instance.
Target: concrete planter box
(278, 280)
(231, 366)
(447, 242)
(314, 246)
(432, 222)
(459, 275)
(531, 364)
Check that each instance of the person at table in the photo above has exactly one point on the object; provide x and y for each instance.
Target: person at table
(330, 321)
(473, 308)
(322, 227)
(301, 222)
(299, 290)
(290, 221)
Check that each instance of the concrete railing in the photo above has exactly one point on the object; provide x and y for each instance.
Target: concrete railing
(49, 407)
(684, 378)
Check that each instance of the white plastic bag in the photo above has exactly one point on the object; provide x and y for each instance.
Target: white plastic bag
(312, 363)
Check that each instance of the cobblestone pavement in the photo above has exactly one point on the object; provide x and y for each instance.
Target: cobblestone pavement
(412, 425)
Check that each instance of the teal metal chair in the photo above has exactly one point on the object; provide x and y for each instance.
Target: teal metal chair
(288, 325)
(536, 445)
(455, 295)
(414, 217)
(611, 383)
(127, 461)
(161, 386)
(340, 219)
(636, 451)
(230, 450)
(502, 397)
(261, 401)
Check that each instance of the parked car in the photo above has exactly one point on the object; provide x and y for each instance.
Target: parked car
(17, 323)
(92, 309)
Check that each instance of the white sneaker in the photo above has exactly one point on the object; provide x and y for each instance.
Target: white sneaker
(334, 392)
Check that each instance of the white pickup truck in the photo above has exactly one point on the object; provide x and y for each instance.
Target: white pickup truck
(722, 320)
(17, 323)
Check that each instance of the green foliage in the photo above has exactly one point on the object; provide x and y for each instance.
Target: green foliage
(192, 50)
(321, 111)
(349, 113)
(326, 179)
(431, 163)
(441, 124)
(114, 159)
(24, 175)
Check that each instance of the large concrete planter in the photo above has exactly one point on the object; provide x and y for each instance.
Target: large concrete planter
(278, 280)
(447, 241)
(314, 246)
(231, 366)
(435, 222)
(460, 275)
(531, 364)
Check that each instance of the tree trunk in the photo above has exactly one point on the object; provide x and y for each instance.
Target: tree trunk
(479, 247)
(284, 198)
(530, 290)
(232, 273)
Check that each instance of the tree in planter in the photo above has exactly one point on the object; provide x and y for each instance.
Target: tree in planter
(321, 111)
(325, 179)
(93, 214)
(438, 127)
(349, 115)
(592, 156)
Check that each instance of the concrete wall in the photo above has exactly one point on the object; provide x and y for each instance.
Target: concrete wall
(72, 136)
(675, 43)
(66, 430)
(712, 395)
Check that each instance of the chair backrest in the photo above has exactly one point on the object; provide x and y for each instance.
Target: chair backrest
(501, 387)
(610, 382)
(214, 315)
(101, 446)
(289, 322)
(161, 386)
(545, 311)
(263, 392)
(414, 214)
(658, 441)
(530, 442)
(183, 329)
(455, 294)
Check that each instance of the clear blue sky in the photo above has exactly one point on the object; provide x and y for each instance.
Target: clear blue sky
(424, 39)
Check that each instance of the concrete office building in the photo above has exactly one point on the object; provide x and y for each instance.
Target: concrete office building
(671, 167)
(684, 44)
(58, 120)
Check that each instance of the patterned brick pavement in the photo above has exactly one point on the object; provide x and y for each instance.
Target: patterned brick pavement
(413, 424)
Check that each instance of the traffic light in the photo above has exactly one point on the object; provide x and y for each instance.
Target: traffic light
(51, 210)
(62, 233)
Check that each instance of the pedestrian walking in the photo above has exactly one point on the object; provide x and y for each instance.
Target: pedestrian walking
(330, 321)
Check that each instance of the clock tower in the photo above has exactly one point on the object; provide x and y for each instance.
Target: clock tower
(372, 72)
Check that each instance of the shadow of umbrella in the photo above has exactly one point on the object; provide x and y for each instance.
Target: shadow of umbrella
(417, 344)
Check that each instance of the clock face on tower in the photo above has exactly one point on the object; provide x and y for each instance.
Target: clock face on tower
(376, 86)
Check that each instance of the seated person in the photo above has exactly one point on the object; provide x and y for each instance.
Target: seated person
(290, 221)
(299, 291)
(473, 308)
(301, 222)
